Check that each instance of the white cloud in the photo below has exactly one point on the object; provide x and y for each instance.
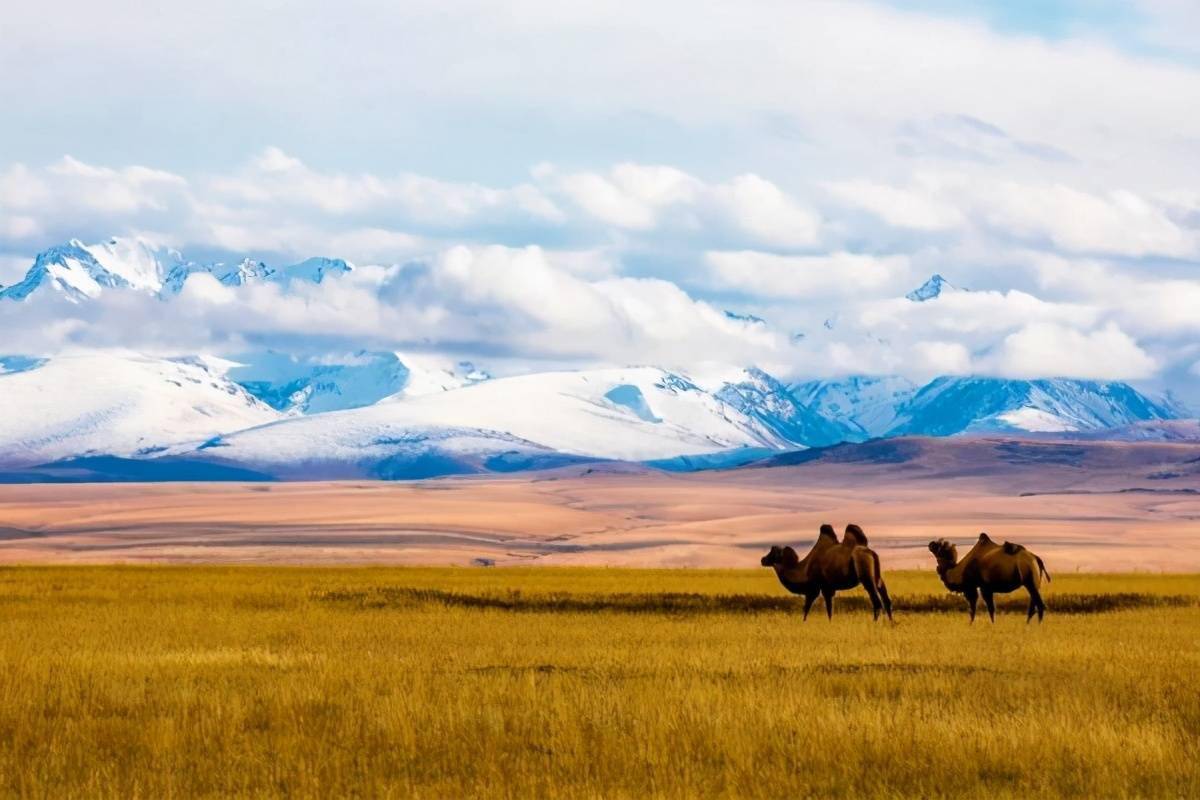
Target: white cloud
(693, 244)
(916, 209)
(1054, 215)
(276, 179)
(762, 210)
(943, 358)
(1048, 350)
(974, 313)
(833, 275)
(645, 197)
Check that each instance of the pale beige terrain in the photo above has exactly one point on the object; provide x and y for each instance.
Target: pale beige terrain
(1110, 507)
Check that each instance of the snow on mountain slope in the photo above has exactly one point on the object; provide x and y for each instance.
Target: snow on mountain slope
(365, 442)
(863, 406)
(635, 414)
(1158, 430)
(951, 405)
(109, 404)
(80, 271)
(248, 270)
(315, 270)
(769, 402)
(300, 385)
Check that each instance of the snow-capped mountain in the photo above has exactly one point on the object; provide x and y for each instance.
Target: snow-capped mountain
(366, 442)
(248, 270)
(312, 385)
(636, 414)
(392, 415)
(951, 405)
(931, 289)
(863, 406)
(80, 271)
(773, 406)
(1159, 430)
(98, 403)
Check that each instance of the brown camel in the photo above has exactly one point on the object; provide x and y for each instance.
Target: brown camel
(990, 569)
(831, 566)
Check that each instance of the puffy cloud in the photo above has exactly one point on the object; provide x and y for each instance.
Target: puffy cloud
(631, 196)
(276, 179)
(943, 358)
(72, 198)
(834, 275)
(1045, 349)
(637, 263)
(913, 208)
(1056, 216)
(520, 302)
(966, 313)
(645, 197)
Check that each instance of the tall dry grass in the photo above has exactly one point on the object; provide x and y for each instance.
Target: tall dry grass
(180, 682)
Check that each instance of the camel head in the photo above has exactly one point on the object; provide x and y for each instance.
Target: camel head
(945, 553)
(781, 557)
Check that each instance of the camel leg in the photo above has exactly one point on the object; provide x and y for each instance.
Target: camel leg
(972, 601)
(990, 602)
(827, 594)
(887, 601)
(873, 593)
(809, 599)
(1035, 602)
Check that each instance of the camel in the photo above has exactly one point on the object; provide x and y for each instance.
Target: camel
(991, 569)
(831, 566)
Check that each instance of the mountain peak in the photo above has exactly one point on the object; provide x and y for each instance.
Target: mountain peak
(930, 289)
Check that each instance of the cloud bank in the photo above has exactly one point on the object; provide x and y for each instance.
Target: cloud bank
(563, 184)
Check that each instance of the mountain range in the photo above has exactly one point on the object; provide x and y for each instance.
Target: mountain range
(401, 415)
(79, 272)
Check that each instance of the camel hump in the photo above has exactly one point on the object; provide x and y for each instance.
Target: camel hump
(855, 535)
(827, 532)
(1012, 548)
(985, 539)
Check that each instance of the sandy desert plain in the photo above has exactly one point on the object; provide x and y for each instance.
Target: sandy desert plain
(171, 640)
(1097, 507)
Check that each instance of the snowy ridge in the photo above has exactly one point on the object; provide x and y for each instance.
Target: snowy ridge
(864, 406)
(300, 385)
(776, 409)
(385, 414)
(952, 405)
(81, 272)
(635, 414)
(122, 405)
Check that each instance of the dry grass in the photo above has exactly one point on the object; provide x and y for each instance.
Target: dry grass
(169, 682)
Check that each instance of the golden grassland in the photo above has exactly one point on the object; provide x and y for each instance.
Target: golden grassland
(191, 681)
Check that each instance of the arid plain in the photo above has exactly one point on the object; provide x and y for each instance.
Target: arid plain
(1111, 507)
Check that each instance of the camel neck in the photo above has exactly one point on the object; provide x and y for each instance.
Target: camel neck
(794, 579)
(950, 572)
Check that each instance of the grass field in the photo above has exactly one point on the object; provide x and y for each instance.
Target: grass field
(185, 681)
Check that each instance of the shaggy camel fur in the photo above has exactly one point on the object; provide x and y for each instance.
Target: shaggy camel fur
(990, 569)
(831, 566)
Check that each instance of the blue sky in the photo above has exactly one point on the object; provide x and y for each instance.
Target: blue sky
(799, 160)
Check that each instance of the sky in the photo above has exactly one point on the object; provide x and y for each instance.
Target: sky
(556, 182)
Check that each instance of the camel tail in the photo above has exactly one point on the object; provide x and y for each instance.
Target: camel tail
(878, 569)
(1042, 567)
